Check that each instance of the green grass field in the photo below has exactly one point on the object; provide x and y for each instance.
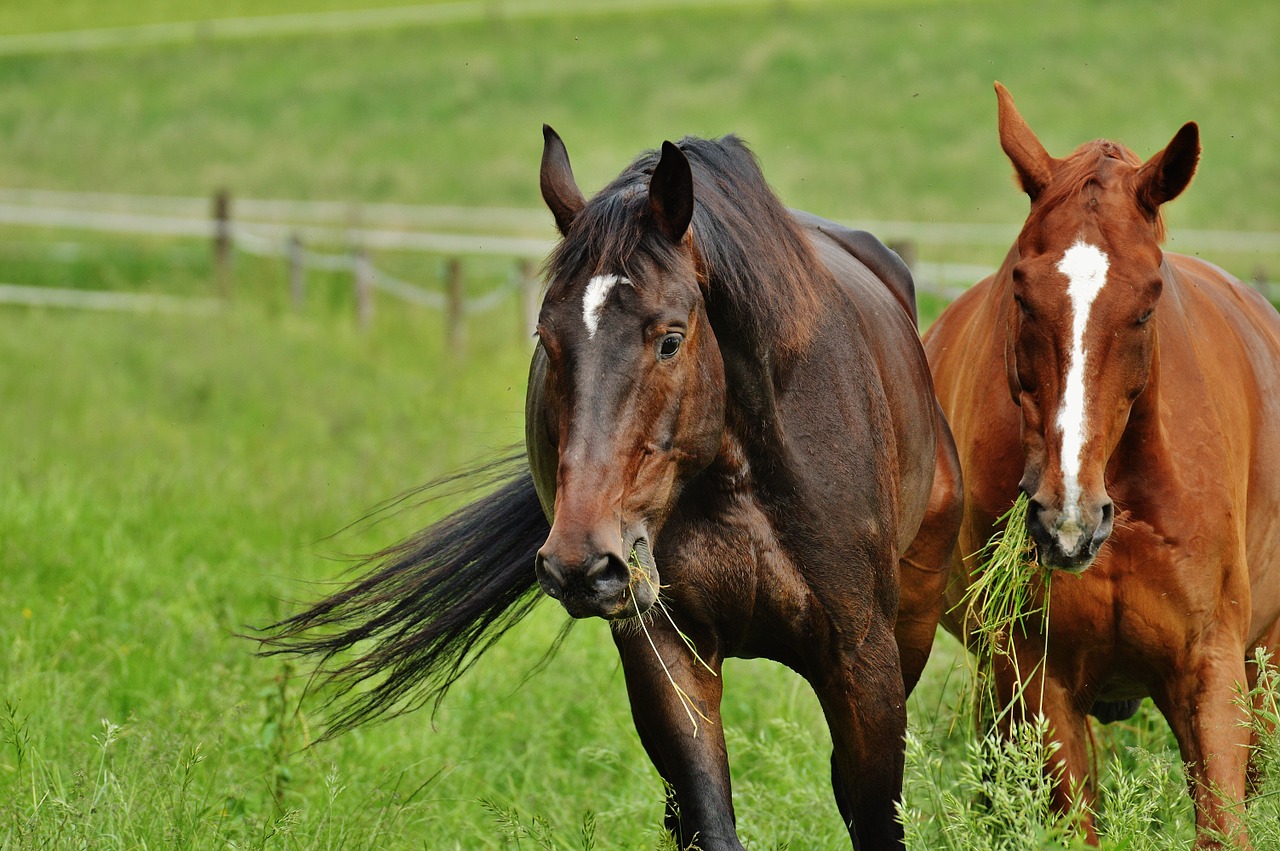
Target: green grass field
(857, 110)
(169, 481)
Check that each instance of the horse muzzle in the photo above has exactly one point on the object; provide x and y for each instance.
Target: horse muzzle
(599, 583)
(1069, 540)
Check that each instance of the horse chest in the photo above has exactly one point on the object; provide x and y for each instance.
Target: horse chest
(734, 569)
(1139, 608)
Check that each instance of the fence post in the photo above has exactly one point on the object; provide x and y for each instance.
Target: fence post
(222, 242)
(364, 287)
(297, 270)
(455, 315)
(529, 302)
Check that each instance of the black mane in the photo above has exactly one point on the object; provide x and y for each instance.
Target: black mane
(759, 271)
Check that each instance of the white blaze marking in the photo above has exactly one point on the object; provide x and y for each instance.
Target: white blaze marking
(1086, 269)
(598, 289)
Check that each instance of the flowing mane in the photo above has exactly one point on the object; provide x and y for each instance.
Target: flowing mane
(757, 266)
(1089, 165)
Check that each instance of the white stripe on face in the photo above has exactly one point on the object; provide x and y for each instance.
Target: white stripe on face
(1086, 269)
(598, 289)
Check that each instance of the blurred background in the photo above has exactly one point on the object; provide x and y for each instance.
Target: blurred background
(265, 265)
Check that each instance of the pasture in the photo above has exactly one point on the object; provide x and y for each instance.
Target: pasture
(167, 482)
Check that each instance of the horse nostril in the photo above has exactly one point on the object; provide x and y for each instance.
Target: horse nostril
(597, 569)
(607, 574)
(550, 574)
(1035, 521)
(1104, 525)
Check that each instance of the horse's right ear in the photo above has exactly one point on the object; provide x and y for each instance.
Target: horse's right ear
(1030, 160)
(671, 192)
(559, 189)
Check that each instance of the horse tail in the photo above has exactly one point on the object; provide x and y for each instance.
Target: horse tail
(427, 607)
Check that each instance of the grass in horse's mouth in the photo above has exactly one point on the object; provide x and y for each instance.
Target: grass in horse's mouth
(638, 572)
(1008, 587)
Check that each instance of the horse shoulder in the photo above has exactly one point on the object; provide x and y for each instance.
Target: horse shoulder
(872, 316)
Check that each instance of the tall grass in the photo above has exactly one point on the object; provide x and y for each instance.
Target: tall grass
(176, 479)
(1007, 591)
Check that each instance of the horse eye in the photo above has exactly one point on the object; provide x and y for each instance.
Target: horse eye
(668, 346)
(1145, 317)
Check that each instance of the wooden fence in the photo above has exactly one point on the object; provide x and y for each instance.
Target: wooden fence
(294, 231)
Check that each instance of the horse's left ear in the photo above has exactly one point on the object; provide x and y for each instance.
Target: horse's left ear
(559, 190)
(1163, 177)
(671, 193)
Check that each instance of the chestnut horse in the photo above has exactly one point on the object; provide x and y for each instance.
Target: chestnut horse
(1134, 396)
(732, 440)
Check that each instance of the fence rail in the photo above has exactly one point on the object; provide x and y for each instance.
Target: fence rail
(207, 228)
(107, 300)
(286, 229)
(357, 263)
(293, 230)
(506, 230)
(512, 220)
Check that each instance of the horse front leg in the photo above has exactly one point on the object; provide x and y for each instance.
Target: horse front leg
(675, 703)
(1200, 702)
(864, 701)
(1046, 694)
(925, 568)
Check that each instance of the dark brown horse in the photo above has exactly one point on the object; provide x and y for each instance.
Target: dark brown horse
(732, 441)
(1134, 396)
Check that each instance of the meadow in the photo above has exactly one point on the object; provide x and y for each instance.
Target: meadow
(169, 482)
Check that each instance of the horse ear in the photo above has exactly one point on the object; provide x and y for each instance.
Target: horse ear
(1030, 160)
(671, 193)
(1163, 177)
(558, 187)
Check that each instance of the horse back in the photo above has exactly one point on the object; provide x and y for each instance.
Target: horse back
(878, 316)
(881, 260)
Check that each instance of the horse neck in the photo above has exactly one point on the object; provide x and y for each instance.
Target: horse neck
(751, 403)
(1002, 291)
(753, 454)
(769, 394)
(751, 368)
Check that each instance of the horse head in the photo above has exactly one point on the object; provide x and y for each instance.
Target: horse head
(630, 389)
(1086, 278)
